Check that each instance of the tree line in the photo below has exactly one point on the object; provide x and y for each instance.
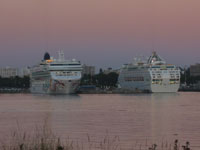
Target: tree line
(15, 82)
(101, 80)
(187, 78)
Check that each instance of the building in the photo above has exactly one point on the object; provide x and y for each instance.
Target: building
(88, 70)
(24, 72)
(195, 70)
(110, 70)
(8, 72)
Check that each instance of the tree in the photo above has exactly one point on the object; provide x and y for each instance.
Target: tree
(101, 80)
(15, 82)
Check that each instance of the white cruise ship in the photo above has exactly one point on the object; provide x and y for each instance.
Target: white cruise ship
(153, 75)
(56, 76)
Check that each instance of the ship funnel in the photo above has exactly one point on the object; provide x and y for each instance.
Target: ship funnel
(46, 56)
(61, 56)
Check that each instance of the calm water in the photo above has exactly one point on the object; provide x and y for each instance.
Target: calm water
(142, 118)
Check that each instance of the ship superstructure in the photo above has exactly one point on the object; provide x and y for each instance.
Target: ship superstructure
(153, 75)
(56, 76)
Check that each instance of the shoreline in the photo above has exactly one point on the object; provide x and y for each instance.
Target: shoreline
(116, 91)
(14, 90)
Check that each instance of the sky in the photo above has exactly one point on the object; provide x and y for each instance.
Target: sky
(104, 33)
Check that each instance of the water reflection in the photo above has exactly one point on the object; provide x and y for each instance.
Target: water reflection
(164, 96)
(56, 97)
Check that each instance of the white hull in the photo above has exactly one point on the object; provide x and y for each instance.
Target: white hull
(165, 88)
(148, 87)
(55, 87)
(147, 84)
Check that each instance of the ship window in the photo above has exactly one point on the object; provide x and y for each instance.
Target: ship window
(157, 81)
(64, 64)
(174, 81)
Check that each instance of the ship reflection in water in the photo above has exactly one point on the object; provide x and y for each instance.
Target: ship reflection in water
(138, 118)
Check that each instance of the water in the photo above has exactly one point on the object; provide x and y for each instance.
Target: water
(139, 118)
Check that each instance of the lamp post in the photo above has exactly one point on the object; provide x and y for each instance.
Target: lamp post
(185, 68)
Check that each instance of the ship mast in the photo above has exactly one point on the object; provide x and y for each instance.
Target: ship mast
(61, 56)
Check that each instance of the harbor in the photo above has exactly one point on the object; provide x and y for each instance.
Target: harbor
(60, 76)
(99, 75)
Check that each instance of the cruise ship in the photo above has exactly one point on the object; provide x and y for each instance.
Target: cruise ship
(152, 75)
(56, 76)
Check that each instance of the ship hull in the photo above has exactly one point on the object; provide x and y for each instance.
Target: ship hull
(52, 86)
(64, 86)
(142, 81)
(164, 87)
(148, 87)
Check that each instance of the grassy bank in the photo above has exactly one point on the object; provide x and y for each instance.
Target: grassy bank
(42, 138)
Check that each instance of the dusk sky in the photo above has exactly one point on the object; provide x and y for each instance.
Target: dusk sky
(104, 33)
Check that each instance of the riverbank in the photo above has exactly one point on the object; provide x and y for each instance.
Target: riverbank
(115, 91)
(42, 138)
(96, 91)
(14, 90)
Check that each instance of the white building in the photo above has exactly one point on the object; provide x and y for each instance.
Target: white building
(110, 70)
(88, 70)
(8, 72)
(24, 72)
(195, 70)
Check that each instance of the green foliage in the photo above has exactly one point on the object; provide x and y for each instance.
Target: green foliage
(86, 80)
(186, 77)
(101, 80)
(15, 82)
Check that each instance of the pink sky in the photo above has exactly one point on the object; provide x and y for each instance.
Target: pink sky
(99, 32)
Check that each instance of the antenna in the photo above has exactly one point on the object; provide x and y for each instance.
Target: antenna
(61, 56)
